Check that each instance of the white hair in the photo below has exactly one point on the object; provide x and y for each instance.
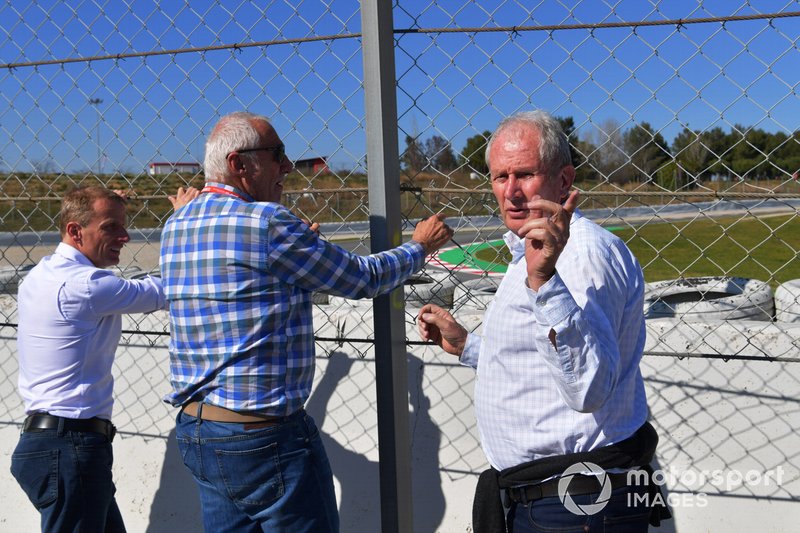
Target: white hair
(554, 152)
(234, 131)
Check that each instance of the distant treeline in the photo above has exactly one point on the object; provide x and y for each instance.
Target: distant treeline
(610, 152)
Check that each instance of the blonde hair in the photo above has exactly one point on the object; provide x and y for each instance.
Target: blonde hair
(78, 204)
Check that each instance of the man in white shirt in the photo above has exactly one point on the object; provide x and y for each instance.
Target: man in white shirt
(558, 379)
(69, 327)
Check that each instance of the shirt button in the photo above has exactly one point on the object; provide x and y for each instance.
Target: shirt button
(542, 302)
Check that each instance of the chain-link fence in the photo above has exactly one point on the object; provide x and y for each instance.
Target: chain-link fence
(683, 121)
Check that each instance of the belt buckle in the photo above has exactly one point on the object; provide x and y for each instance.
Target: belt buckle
(29, 424)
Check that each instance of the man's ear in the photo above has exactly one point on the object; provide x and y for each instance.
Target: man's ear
(567, 176)
(235, 164)
(74, 232)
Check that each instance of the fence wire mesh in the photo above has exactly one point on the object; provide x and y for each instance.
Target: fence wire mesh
(682, 120)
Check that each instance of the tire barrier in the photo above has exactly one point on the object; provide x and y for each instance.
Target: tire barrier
(11, 276)
(130, 271)
(8, 307)
(420, 289)
(787, 301)
(709, 298)
(475, 293)
(431, 287)
(320, 298)
(139, 274)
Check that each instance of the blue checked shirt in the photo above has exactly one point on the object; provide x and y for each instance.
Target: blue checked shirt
(238, 277)
(533, 400)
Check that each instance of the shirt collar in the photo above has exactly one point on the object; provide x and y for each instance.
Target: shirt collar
(67, 251)
(231, 190)
(515, 245)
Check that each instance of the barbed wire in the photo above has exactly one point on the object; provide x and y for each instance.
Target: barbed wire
(584, 193)
(503, 29)
(604, 25)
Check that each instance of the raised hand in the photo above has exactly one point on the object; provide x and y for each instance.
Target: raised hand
(546, 236)
(432, 233)
(183, 197)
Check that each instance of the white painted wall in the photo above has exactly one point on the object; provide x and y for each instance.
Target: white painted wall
(711, 415)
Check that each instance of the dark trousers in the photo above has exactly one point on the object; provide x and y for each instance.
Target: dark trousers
(67, 477)
(621, 514)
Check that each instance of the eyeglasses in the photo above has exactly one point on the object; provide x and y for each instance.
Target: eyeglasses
(279, 151)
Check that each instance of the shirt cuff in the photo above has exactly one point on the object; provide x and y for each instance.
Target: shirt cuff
(553, 302)
(417, 252)
(472, 348)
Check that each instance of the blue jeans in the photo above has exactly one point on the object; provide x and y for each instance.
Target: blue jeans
(550, 515)
(67, 477)
(275, 479)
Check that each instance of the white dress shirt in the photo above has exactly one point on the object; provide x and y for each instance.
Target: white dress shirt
(533, 400)
(69, 328)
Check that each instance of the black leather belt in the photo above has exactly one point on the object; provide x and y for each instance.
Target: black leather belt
(42, 421)
(578, 485)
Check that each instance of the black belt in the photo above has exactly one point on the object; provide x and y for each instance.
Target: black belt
(42, 421)
(578, 485)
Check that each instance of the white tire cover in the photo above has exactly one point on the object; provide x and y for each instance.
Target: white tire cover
(430, 288)
(475, 293)
(787, 301)
(135, 273)
(10, 276)
(420, 289)
(709, 298)
(125, 272)
(320, 298)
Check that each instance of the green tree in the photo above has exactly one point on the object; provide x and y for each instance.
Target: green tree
(748, 149)
(787, 155)
(568, 125)
(691, 157)
(439, 154)
(717, 143)
(413, 158)
(666, 176)
(607, 156)
(647, 152)
(474, 152)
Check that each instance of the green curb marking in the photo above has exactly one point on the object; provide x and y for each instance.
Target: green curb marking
(465, 257)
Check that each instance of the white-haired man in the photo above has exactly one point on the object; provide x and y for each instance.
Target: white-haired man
(558, 379)
(239, 270)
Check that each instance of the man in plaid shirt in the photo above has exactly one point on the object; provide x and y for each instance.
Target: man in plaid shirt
(238, 271)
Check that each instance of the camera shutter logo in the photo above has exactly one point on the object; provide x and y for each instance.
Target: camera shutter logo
(587, 509)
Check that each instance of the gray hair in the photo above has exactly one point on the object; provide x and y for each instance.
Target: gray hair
(234, 131)
(554, 151)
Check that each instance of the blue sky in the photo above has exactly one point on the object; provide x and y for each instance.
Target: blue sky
(450, 84)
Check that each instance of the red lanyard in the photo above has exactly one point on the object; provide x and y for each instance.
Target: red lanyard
(220, 190)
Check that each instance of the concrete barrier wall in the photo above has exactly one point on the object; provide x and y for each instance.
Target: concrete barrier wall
(736, 416)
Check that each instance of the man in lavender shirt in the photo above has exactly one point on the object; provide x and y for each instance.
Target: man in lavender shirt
(70, 319)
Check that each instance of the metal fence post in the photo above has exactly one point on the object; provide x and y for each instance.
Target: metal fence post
(385, 232)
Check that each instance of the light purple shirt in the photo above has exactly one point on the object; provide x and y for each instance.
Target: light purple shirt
(533, 400)
(69, 328)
